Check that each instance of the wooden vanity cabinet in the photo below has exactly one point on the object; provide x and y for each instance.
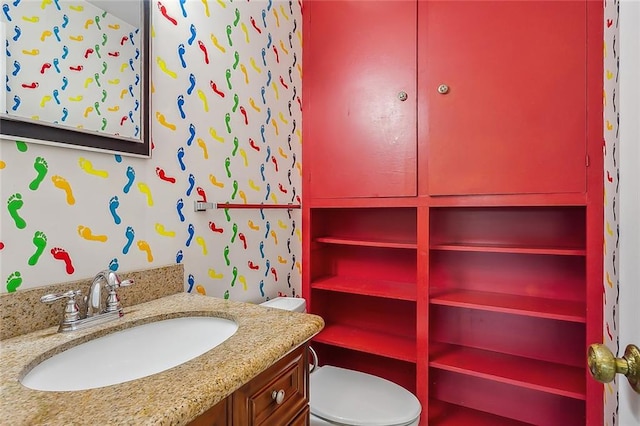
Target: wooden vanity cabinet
(254, 404)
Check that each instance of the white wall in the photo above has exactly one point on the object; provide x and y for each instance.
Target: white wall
(629, 196)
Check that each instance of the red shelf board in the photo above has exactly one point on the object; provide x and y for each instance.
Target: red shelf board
(369, 243)
(490, 248)
(445, 414)
(542, 376)
(381, 344)
(562, 310)
(386, 289)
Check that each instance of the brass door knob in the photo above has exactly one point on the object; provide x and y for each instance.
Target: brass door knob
(604, 366)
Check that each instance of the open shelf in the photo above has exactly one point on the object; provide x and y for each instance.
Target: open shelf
(556, 309)
(444, 414)
(367, 287)
(386, 345)
(524, 372)
(509, 248)
(367, 242)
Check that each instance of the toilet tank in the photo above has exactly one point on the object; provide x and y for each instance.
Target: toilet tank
(296, 304)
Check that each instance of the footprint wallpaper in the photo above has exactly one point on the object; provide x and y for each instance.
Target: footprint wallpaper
(226, 128)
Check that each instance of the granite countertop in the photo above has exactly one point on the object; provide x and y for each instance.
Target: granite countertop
(173, 397)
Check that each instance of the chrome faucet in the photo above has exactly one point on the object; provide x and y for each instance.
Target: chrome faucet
(95, 310)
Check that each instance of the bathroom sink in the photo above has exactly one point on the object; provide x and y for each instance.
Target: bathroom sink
(130, 354)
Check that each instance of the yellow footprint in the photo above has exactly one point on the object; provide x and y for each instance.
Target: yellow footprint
(114, 26)
(274, 198)
(202, 243)
(45, 3)
(144, 188)
(203, 145)
(299, 135)
(215, 136)
(2, 164)
(76, 38)
(203, 98)
(201, 290)
(213, 275)
(88, 23)
(284, 13)
(275, 13)
(254, 65)
(282, 153)
(87, 166)
(299, 234)
(253, 186)
(88, 111)
(45, 34)
(76, 8)
(144, 246)
(45, 99)
(274, 123)
(299, 167)
(242, 196)
(123, 93)
(282, 260)
(275, 236)
(162, 231)
(31, 18)
(87, 82)
(32, 52)
(214, 40)
(284, 120)
(281, 224)
(215, 182)
(221, 3)
(243, 281)
(62, 183)
(284, 49)
(163, 66)
(275, 90)
(114, 81)
(243, 154)
(113, 108)
(253, 226)
(162, 120)
(244, 71)
(253, 105)
(86, 233)
(124, 66)
(299, 266)
(243, 27)
(206, 8)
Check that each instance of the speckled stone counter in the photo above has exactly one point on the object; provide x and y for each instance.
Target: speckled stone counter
(173, 397)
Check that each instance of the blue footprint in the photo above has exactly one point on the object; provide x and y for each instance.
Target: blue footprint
(192, 134)
(180, 156)
(262, 249)
(191, 281)
(179, 207)
(267, 268)
(114, 203)
(191, 230)
(65, 83)
(184, 11)
(5, 9)
(268, 228)
(16, 68)
(192, 182)
(130, 235)
(16, 103)
(131, 176)
(18, 33)
(266, 197)
(261, 288)
(179, 256)
(192, 83)
(181, 52)
(180, 103)
(192, 28)
(113, 265)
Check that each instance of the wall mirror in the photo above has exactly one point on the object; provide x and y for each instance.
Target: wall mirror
(76, 74)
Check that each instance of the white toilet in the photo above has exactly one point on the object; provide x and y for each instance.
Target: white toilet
(350, 398)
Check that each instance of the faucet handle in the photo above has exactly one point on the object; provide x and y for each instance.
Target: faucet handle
(114, 282)
(71, 310)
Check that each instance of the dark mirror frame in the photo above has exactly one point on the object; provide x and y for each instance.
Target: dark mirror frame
(50, 134)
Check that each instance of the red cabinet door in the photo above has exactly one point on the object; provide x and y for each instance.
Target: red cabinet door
(514, 117)
(359, 136)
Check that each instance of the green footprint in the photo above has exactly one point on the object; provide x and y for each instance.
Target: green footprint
(15, 203)
(22, 147)
(41, 167)
(14, 281)
(40, 241)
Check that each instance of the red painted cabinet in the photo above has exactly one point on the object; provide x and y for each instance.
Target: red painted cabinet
(452, 241)
(513, 119)
(360, 136)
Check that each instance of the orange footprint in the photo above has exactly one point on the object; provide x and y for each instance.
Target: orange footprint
(144, 246)
(86, 233)
(201, 290)
(62, 183)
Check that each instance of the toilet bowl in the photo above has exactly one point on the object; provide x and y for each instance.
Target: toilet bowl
(339, 396)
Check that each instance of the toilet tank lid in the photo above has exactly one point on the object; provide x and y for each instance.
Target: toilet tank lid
(359, 399)
(296, 304)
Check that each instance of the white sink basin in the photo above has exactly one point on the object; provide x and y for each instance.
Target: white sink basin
(130, 354)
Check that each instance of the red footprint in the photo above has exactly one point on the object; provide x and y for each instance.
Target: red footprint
(299, 102)
(609, 178)
(30, 86)
(114, 54)
(275, 162)
(77, 68)
(253, 266)
(88, 52)
(213, 227)
(298, 199)
(61, 254)
(215, 88)
(2, 245)
(123, 119)
(242, 238)
(123, 40)
(204, 50)
(163, 10)
(277, 55)
(45, 67)
(282, 188)
(201, 193)
(253, 145)
(283, 83)
(244, 114)
(162, 175)
(609, 23)
(274, 273)
(253, 23)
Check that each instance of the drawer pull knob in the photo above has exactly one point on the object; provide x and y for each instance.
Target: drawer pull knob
(278, 396)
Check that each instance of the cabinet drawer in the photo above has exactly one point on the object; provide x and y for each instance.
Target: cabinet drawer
(254, 403)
